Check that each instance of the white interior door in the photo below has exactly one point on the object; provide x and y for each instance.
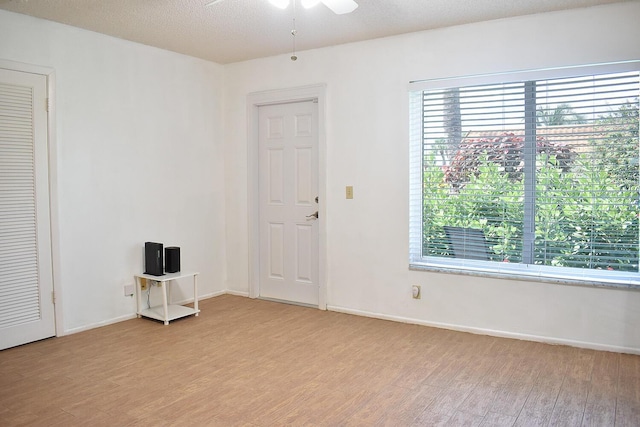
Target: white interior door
(288, 171)
(26, 279)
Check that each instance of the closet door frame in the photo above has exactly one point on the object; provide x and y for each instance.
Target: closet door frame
(49, 73)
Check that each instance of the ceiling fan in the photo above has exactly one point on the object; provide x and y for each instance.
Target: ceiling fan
(339, 7)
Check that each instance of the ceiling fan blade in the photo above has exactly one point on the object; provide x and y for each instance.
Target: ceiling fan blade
(211, 3)
(340, 6)
(280, 4)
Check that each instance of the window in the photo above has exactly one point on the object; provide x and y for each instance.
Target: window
(533, 176)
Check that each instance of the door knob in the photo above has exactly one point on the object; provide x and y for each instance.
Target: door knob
(313, 215)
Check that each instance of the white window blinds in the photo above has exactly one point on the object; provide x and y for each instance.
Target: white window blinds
(537, 172)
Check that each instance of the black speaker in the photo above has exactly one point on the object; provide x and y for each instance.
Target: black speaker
(172, 259)
(153, 259)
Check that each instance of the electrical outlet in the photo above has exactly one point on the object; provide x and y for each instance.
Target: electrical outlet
(128, 290)
(416, 291)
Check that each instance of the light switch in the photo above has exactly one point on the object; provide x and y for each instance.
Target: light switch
(349, 192)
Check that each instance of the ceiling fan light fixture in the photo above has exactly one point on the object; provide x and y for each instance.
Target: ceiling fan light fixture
(308, 4)
(282, 4)
(341, 7)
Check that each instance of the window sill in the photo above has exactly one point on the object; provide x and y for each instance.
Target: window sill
(630, 284)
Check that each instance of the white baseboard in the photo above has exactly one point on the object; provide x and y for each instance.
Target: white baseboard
(212, 295)
(453, 327)
(133, 316)
(200, 298)
(490, 332)
(237, 293)
(98, 324)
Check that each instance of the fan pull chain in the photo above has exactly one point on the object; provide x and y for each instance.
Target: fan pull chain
(294, 57)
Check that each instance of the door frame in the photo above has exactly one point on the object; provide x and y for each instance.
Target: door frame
(54, 222)
(256, 100)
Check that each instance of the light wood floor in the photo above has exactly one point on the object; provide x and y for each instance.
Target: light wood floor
(256, 363)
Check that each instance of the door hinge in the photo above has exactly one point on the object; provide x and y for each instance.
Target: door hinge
(53, 297)
(46, 104)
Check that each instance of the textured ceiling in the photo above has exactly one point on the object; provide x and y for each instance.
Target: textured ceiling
(237, 30)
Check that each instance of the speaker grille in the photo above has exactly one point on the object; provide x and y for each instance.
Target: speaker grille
(172, 259)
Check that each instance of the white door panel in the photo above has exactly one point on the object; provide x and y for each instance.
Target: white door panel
(26, 277)
(288, 163)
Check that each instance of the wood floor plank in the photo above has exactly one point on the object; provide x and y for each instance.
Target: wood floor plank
(511, 398)
(450, 398)
(571, 402)
(464, 419)
(497, 420)
(627, 413)
(255, 363)
(395, 405)
(431, 419)
(600, 409)
(480, 400)
(541, 400)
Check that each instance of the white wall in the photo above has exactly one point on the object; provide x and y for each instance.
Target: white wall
(135, 124)
(139, 157)
(367, 147)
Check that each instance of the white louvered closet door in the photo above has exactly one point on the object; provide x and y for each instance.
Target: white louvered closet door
(26, 283)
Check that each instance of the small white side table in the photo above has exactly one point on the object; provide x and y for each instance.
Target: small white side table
(167, 311)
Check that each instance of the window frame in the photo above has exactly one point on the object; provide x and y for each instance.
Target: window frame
(518, 271)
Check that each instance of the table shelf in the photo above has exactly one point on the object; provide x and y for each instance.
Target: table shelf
(167, 311)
